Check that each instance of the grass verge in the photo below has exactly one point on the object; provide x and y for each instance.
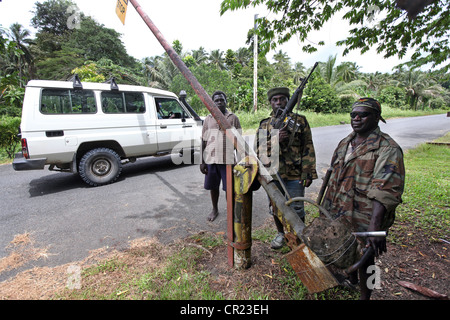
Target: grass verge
(427, 192)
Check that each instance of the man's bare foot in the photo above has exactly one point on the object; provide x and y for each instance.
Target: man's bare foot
(213, 215)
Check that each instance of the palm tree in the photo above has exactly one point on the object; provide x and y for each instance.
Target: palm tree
(200, 55)
(21, 39)
(375, 81)
(282, 62)
(216, 59)
(419, 87)
(328, 70)
(152, 72)
(243, 56)
(299, 72)
(347, 71)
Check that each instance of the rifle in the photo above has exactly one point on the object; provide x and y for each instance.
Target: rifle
(281, 118)
(326, 178)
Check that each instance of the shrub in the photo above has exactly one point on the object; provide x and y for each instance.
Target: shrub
(393, 96)
(318, 96)
(9, 128)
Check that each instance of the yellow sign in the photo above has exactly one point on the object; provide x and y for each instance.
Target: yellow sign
(121, 9)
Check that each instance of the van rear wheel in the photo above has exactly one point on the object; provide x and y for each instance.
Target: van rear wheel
(100, 166)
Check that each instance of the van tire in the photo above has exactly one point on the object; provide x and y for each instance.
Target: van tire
(100, 166)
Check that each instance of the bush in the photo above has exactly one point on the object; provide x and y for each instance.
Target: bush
(9, 128)
(393, 96)
(318, 96)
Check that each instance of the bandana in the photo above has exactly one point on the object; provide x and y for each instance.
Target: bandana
(369, 103)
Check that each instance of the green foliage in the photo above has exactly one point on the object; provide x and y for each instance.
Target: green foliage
(212, 79)
(394, 96)
(9, 128)
(318, 96)
(104, 69)
(379, 24)
(98, 42)
(89, 73)
(427, 190)
(11, 95)
(51, 16)
(96, 53)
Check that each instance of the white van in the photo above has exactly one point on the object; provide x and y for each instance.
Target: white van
(94, 128)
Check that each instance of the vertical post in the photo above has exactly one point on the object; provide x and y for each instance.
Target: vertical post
(243, 230)
(244, 174)
(230, 215)
(255, 67)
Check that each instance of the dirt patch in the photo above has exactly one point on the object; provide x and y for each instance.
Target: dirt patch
(424, 262)
(22, 250)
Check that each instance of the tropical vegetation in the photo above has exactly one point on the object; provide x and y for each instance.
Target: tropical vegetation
(58, 50)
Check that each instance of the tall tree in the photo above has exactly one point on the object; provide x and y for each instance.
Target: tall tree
(52, 15)
(299, 72)
(97, 42)
(200, 55)
(377, 23)
(217, 59)
(243, 56)
(22, 40)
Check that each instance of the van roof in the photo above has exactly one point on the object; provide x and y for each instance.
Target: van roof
(96, 86)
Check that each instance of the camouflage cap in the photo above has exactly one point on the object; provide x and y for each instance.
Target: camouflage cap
(369, 103)
(281, 90)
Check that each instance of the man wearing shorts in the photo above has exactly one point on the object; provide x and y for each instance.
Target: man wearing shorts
(218, 151)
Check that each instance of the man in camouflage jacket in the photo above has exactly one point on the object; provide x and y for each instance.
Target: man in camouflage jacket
(290, 154)
(367, 180)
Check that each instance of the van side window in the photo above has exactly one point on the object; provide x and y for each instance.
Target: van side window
(122, 102)
(67, 101)
(170, 109)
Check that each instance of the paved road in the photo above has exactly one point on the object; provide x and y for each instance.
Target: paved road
(153, 198)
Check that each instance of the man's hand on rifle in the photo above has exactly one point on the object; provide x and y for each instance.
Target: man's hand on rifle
(283, 134)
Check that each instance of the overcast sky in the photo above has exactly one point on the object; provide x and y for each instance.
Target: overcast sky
(198, 23)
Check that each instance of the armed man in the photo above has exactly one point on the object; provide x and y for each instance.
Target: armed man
(295, 164)
(366, 182)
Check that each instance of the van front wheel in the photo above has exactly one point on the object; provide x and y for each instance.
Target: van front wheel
(100, 166)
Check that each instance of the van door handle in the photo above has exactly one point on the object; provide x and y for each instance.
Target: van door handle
(187, 126)
(163, 126)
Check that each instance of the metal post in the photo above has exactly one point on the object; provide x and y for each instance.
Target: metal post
(243, 230)
(230, 215)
